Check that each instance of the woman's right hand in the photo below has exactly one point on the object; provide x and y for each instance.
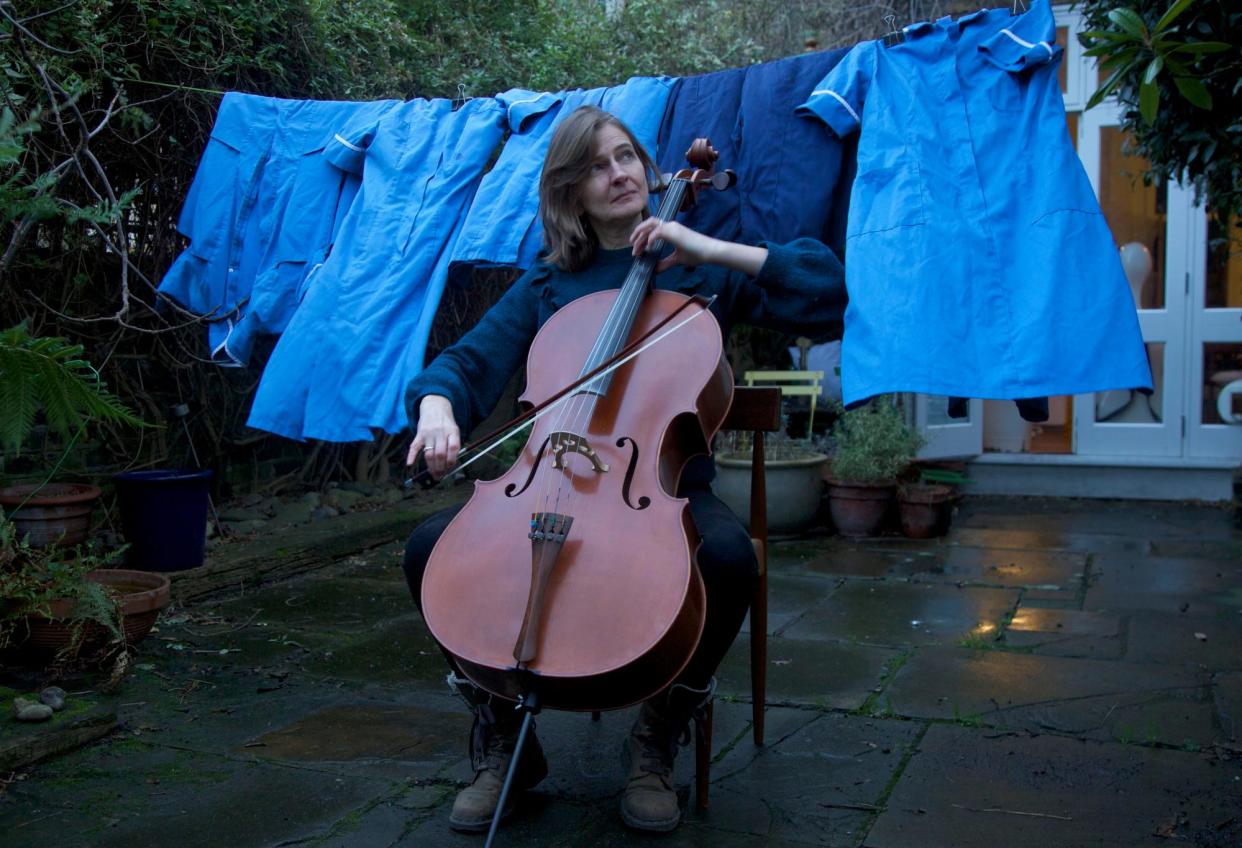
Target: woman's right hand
(438, 436)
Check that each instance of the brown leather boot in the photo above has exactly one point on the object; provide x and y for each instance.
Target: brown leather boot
(649, 801)
(493, 739)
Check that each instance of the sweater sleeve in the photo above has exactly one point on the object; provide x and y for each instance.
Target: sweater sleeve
(800, 289)
(473, 372)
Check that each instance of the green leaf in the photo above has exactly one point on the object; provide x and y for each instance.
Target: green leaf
(1128, 21)
(1107, 88)
(1152, 70)
(1202, 47)
(1194, 91)
(1106, 34)
(1149, 102)
(1169, 16)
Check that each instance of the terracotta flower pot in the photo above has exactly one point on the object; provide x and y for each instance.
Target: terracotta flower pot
(858, 508)
(144, 595)
(924, 510)
(59, 513)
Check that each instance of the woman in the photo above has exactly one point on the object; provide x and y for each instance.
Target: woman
(594, 207)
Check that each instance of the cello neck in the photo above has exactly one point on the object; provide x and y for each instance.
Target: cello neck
(616, 329)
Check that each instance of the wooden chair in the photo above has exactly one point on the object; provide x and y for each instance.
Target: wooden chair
(796, 383)
(756, 409)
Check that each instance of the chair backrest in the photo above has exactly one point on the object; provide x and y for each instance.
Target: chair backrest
(796, 383)
(758, 410)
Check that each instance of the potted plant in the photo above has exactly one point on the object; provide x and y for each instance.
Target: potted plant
(926, 503)
(793, 475)
(873, 445)
(59, 603)
(49, 375)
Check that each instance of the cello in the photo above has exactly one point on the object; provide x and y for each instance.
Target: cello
(570, 580)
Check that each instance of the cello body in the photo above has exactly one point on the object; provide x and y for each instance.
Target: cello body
(605, 608)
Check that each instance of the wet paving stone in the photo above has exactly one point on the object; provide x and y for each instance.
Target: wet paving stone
(366, 731)
(972, 788)
(1153, 520)
(1016, 535)
(832, 675)
(897, 613)
(1095, 699)
(342, 603)
(1199, 641)
(125, 794)
(818, 785)
(1227, 690)
(1164, 584)
(789, 596)
(857, 561)
(1066, 633)
(400, 651)
(1049, 571)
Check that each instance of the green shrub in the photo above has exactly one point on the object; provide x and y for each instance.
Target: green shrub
(873, 443)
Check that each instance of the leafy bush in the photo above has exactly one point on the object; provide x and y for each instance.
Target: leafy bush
(1179, 85)
(873, 443)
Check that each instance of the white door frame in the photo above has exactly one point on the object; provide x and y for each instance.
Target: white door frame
(1165, 326)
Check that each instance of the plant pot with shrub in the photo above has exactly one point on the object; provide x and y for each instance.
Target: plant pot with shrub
(873, 445)
(793, 480)
(48, 378)
(63, 604)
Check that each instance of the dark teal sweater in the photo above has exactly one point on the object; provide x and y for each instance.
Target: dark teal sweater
(800, 290)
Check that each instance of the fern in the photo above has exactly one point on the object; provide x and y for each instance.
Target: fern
(50, 374)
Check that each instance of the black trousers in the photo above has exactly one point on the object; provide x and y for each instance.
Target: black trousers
(726, 562)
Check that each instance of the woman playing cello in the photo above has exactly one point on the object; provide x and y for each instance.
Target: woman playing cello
(594, 208)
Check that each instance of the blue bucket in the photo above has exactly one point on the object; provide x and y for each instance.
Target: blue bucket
(164, 517)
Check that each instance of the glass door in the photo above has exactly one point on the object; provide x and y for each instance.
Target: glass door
(1214, 420)
(1151, 225)
(949, 436)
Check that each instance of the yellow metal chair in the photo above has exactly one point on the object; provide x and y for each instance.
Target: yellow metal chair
(796, 383)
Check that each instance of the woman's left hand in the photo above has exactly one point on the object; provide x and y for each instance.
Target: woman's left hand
(689, 247)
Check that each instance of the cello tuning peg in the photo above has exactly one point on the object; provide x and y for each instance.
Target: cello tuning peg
(722, 180)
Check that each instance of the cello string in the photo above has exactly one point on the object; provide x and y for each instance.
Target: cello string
(610, 337)
(583, 403)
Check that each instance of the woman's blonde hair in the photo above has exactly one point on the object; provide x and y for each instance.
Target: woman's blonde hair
(569, 240)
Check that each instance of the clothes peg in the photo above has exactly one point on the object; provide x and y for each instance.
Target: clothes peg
(894, 35)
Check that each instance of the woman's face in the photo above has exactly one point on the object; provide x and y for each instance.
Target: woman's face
(614, 193)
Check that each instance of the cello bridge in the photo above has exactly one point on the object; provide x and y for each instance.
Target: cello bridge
(562, 442)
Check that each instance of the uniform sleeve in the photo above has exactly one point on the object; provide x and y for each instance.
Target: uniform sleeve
(347, 149)
(800, 289)
(522, 106)
(1028, 42)
(838, 98)
(474, 371)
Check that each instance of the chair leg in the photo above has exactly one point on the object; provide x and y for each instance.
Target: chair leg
(594, 715)
(703, 756)
(759, 655)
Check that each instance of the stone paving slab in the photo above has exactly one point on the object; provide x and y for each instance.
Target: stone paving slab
(897, 613)
(1137, 519)
(1066, 632)
(321, 603)
(839, 559)
(1157, 637)
(789, 596)
(1017, 536)
(124, 793)
(1094, 699)
(826, 675)
(973, 788)
(1227, 690)
(818, 785)
(1046, 570)
(1164, 584)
